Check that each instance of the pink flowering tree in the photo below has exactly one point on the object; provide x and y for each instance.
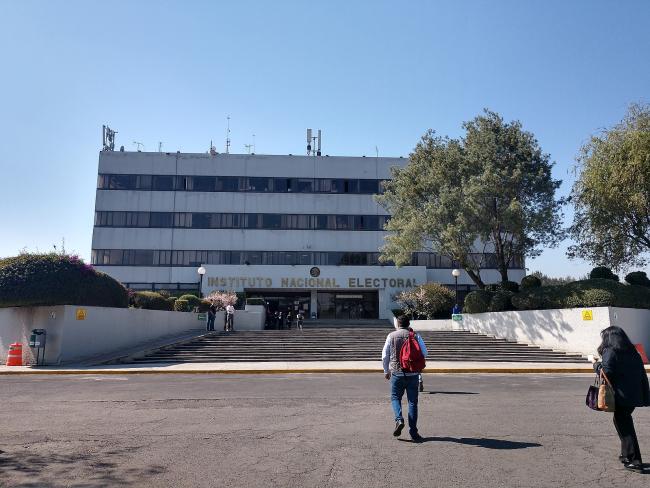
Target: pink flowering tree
(221, 299)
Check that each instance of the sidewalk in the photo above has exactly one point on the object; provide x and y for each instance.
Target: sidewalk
(457, 367)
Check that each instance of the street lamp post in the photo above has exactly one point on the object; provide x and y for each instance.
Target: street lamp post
(201, 272)
(456, 273)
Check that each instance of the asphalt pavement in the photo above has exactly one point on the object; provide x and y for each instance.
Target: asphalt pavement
(304, 430)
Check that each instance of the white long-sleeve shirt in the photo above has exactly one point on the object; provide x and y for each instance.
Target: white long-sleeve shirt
(386, 352)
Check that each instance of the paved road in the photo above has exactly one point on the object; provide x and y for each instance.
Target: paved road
(303, 431)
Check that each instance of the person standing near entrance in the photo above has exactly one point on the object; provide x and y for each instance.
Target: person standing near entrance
(230, 317)
(400, 380)
(624, 369)
(212, 314)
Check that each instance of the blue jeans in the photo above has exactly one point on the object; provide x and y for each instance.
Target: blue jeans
(398, 384)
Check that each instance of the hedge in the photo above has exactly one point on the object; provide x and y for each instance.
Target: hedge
(501, 301)
(503, 285)
(181, 305)
(602, 272)
(477, 301)
(638, 278)
(150, 300)
(192, 300)
(56, 279)
(585, 293)
(530, 281)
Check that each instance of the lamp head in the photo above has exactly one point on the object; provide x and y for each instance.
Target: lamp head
(201, 271)
(455, 273)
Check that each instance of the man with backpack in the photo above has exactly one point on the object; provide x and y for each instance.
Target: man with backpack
(403, 358)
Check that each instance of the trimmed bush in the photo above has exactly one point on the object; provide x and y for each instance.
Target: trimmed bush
(591, 298)
(430, 300)
(503, 285)
(255, 301)
(164, 293)
(150, 300)
(171, 301)
(638, 278)
(57, 279)
(181, 305)
(477, 301)
(204, 306)
(501, 301)
(192, 300)
(530, 281)
(603, 273)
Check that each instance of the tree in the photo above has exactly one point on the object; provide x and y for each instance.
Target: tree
(511, 190)
(489, 192)
(428, 208)
(611, 194)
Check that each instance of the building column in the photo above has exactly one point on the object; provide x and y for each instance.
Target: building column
(313, 306)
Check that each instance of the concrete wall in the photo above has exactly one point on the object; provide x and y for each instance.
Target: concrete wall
(562, 329)
(104, 330)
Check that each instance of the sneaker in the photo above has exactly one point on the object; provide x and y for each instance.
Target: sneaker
(417, 438)
(399, 425)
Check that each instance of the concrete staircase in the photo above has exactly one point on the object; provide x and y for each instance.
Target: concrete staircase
(352, 343)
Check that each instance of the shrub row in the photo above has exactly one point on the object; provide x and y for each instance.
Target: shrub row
(57, 279)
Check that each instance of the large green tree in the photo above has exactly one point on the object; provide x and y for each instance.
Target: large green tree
(611, 194)
(489, 192)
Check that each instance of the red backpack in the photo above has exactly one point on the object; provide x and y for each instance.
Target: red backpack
(411, 359)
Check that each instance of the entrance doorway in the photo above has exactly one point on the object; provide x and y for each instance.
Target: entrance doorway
(283, 301)
(348, 306)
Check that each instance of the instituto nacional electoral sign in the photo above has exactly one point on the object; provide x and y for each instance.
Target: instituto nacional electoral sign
(239, 278)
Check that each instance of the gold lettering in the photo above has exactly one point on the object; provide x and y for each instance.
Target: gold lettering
(328, 283)
(392, 282)
(213, 281)
(351, 283)
(320, 282)
(408, 283)
(368, 283)
(335, 284)
(284, 283)
(268, 282)
(300, 283)
(292, 283)
(384, 280)
(312, 282)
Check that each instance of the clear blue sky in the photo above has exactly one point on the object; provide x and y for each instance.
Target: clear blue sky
(369, 73)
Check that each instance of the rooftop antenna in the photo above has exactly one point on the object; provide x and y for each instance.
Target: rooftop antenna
(108, 138)
(376, 151)
(308, 142)
(160, 144)
(253, 143)
(313, 143)
(248, 147)
(318, 150)
(138, 145)
(228, 136)
(213, 150)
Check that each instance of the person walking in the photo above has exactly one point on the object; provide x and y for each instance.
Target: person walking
(230, 318)
(400, 380)
(299, 320)
(624, 369)
(212, 314)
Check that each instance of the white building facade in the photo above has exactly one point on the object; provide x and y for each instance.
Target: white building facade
(298, 231)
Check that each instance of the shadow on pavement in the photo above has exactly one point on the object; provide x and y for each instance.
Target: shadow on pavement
(451, 392)
(481, 442)
(27, 470)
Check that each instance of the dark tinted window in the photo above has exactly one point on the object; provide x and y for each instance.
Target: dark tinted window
(227, 183)
(160, 219)
(121, 182)
(163, 182)
(204, 183)
(260, 184)
(368, 186)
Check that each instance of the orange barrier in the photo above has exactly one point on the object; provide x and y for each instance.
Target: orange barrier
(644, 356)
(15, 356)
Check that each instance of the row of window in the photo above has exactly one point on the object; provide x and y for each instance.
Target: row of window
(239, 183)
(148, 257)
(203, 220)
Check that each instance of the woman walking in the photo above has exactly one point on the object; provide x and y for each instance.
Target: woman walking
(623, 366)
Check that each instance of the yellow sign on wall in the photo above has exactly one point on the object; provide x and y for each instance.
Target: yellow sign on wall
(81, 314)
(587, 315)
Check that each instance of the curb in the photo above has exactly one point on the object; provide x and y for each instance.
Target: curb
(299, 371)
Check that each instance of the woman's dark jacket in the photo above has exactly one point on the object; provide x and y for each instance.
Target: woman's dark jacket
(628, 377)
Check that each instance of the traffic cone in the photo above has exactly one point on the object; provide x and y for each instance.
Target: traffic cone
(15, 356)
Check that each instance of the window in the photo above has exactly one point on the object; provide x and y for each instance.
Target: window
(260, 184)
(204, 183)
(161, 182)
(183, 219)
(227, 183)
(160, 219)
(184, 183)
(271, 221)
(121, 182)
(201, 220)
(144, 182)
(368, 186)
